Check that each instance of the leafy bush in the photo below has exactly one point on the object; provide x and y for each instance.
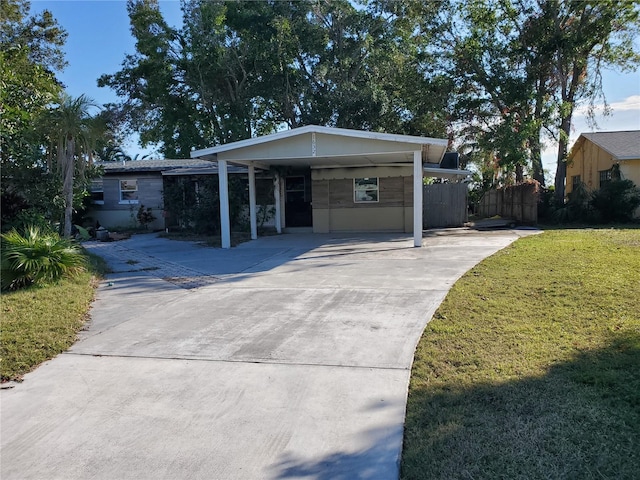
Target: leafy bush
(577, 208)
(29, 217)
(193, 204)
(38, 258)
(616, 201)
(145, 216)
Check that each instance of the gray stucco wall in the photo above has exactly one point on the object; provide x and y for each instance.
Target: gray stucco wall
(116, 213)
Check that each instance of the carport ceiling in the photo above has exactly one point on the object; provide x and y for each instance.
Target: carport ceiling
(318, 147)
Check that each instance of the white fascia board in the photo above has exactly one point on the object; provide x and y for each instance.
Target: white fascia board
(359, 165)
(389, 137)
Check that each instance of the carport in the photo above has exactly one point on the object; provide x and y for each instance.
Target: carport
(347, 180)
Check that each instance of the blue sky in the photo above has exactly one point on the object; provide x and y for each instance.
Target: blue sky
(99, 38)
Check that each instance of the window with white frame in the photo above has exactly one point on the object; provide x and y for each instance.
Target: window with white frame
(128, 191)
(365, 190)
(97, 192)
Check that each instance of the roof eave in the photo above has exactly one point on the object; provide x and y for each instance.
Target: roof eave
(390, 137)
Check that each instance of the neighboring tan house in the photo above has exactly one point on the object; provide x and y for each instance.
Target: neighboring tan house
(594, 154)
(125, 186)
(337, 180)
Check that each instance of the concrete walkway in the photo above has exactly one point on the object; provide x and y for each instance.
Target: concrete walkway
(286, 357)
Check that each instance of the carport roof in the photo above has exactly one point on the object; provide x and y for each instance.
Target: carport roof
(318, 146)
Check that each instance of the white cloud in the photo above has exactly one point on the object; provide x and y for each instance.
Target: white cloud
(629, 103)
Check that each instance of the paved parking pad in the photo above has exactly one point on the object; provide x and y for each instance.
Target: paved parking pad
(286, 357)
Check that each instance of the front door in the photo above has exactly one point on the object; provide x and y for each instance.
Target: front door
(297, 207)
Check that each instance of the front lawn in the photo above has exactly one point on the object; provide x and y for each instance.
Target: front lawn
(38, 323)
(531, 366)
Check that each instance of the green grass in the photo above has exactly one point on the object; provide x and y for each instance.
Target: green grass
(38, 323)
(531, 366)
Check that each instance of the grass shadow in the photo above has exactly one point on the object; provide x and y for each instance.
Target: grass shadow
(580, 420)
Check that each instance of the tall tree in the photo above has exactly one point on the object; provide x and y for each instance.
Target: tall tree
(30, 53)
(520, 67)
(582, 38)
(73, 129)
(494, 95)
(238, 69)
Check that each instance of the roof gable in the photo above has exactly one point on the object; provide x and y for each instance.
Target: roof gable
(316, 141)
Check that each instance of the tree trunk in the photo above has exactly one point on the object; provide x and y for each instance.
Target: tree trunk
(519, 174)
(561, 168)
(67, 185)
(536, 161)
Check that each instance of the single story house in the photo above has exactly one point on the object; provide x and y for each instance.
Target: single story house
(336, 180)
(594, 154)
(126, 186)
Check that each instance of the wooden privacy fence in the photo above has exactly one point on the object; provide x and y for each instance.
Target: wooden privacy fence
(444, 205)
(519, 202)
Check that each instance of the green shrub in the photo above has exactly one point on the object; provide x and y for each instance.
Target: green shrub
(38, 258)
(145, 216)
(577, 208)
(198, 209)
(30, 218)
(616, 201)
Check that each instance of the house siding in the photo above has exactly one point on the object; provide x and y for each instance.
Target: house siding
(630, 170)
(590, 159)
(114, 213)
(334, 208)
(587, 162)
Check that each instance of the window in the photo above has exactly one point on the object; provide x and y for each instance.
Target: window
(605, 176)
(128, 191)
(365, 190)
(97, 192)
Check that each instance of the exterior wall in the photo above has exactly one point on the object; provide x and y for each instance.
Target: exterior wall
(324, 145)
(587, 162)
(590, 159)
(114, 213)
(332, 145)
(334, 209)
(630, 170)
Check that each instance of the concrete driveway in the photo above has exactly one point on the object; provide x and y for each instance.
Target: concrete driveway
(286, 357)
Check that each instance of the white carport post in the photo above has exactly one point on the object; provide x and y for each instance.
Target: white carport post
(417, 199)
(276, 195)
(223, 182)
(252, 202)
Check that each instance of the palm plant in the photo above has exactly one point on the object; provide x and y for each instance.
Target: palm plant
(73, 129)
(38, 258)
(112, 153)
